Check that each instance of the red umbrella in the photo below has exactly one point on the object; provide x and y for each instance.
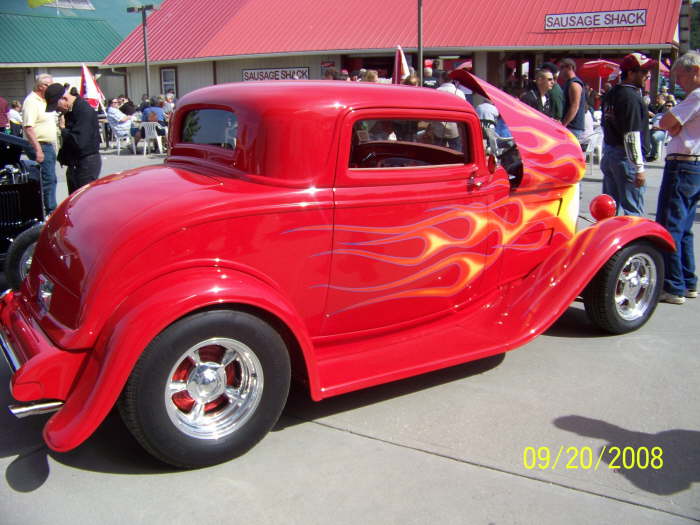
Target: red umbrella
(597, 70)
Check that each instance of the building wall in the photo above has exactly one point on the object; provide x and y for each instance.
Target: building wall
(193, 75)
(13, 83)
(232, 70)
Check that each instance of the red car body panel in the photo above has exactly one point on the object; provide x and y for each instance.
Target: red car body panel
(371, 275)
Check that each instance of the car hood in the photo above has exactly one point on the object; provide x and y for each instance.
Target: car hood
(550, 153)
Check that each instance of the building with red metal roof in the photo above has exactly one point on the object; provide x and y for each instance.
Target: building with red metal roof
(195, 43)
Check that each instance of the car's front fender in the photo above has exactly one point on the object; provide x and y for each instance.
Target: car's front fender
(539, 299)
(140, 318)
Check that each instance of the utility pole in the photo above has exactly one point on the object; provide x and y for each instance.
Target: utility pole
(420, 41)
(143, 9)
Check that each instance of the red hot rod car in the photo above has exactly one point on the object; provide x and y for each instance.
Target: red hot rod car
(343, 234)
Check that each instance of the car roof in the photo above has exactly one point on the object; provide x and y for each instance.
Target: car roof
(285, 124)
(318, 95)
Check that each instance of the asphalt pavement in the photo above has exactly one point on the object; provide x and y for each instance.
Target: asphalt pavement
(576, 427)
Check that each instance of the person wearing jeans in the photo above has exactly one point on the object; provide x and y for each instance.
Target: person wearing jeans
(620, 181)
(680, 186)
(39, 127)
(625, 132)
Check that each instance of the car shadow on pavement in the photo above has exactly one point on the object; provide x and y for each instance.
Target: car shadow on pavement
(666, 470)
(110, 449)
(575, 323)
(301, 408)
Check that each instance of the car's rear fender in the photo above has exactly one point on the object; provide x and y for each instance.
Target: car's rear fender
(140, 318)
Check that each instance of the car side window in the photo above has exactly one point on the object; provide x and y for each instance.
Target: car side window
(213, 127)
(408, 143)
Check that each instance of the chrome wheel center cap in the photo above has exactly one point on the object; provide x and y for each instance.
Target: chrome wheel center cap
(206, 382)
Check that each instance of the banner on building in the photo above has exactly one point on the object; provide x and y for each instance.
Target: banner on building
(276, 73)
(595, 20)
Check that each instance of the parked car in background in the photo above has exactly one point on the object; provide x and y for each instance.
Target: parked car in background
(345, 235)
(21, 207)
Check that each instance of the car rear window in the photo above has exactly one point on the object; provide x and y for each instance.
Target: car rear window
(396, 143)
(213, 127)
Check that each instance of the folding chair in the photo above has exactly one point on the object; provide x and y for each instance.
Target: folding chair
(119, 137)
(150, 133)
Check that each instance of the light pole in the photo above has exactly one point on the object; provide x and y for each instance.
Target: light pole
(420, 41)
(143, 9)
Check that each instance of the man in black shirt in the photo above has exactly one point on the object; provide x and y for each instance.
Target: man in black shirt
(626, 132)
(540, 96)
(574, 100)
(80, 136)
(428, 79)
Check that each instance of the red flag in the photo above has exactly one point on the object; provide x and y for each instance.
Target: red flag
(401, 70)
(89, 89)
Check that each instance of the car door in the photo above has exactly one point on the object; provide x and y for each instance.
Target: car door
(411, 227)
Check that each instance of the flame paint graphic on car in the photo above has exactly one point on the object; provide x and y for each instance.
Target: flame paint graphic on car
(489, 231)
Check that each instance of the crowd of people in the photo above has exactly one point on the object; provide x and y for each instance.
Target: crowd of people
(634, 129)
(125, 118)
(60, 126)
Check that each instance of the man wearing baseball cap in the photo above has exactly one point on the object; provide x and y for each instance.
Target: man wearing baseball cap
(626, 136)
(80, 136)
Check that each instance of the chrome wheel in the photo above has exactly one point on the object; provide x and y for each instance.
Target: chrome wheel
(214, 388)
(25, 261)
(636, 284)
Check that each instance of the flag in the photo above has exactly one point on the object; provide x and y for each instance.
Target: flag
(89, 89)
(401, 70)
(38, 3)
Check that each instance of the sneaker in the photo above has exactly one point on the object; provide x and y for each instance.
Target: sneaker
(691, 294)
(667, 297)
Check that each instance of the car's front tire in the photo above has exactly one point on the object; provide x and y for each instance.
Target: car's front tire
(624, 293)
(207, 388)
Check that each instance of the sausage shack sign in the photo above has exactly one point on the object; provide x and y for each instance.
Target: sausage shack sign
(595, 20)
(276, 73)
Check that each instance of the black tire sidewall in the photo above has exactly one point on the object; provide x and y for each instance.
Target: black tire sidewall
(608, 282)
(15, 252)
(152, 374)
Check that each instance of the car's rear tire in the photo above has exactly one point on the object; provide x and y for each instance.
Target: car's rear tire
(207, 388)
(624, 293)
(19, 256)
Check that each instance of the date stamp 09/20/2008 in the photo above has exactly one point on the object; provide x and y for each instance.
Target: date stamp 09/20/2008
(583, 458)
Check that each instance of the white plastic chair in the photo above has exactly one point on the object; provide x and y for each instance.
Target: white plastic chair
(119, 137)
(150, 133)
(594, 147)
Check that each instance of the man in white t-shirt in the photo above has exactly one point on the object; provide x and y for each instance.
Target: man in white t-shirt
(448, 86)
(680, 187)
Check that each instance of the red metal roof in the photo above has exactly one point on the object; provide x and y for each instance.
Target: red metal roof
(196, 29)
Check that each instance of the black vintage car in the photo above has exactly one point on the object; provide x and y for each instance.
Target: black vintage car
(21, 207)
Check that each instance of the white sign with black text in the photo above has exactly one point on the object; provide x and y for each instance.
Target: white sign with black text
(276, 73)
(599, 19)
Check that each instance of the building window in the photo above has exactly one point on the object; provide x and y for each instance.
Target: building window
(168, 80)
(71, 4)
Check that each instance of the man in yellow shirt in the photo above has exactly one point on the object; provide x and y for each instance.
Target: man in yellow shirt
(40, 130)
